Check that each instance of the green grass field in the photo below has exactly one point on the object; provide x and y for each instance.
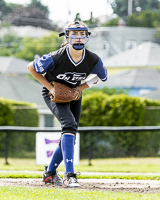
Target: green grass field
(26, 193)
(98, 165)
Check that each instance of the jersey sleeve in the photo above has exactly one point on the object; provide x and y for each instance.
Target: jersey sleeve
(100, 70)
(43, 64)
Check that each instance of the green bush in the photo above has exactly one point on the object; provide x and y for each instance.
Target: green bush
(6, 119)
(14, 113)
(6, 113)
(152, 113)
(105, 90)
(17, 113)
(99, 109)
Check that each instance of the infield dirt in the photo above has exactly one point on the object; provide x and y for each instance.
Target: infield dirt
(118, 185)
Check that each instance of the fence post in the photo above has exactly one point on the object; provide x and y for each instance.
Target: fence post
(90, 149)
(6, 148)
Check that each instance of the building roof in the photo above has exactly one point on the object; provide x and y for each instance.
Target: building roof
(146, 54)
(155, 95)
(13, 65)
(20, 88)
(26, 31)
(142, 78)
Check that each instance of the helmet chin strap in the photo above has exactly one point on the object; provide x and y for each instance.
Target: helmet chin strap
(78, 46)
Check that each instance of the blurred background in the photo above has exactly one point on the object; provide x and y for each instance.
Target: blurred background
(124, 33)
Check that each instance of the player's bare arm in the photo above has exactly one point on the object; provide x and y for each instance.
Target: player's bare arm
(83, 86)
(40, 78)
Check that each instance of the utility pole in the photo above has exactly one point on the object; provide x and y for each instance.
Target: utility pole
(68, 11)
(130, 7)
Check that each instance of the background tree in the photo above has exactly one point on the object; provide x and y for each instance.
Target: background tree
(146, 18)
(44, 45)
(92, 22)
(77, 18)
(38, 4)
(26, 48)
(6, 8)
(120, 7)
(31, 16)
(112, 22)
(34, 14)
(9, 43)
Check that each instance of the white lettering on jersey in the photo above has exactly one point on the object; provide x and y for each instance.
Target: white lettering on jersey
(72, 77)
(39, 65)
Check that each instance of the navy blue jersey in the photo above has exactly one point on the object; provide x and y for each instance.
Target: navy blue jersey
(60, 67)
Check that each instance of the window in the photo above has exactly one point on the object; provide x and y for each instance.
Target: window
(130, 44)
(105, 47)
(49, 121)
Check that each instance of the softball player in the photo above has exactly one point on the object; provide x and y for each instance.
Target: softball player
(70, 65)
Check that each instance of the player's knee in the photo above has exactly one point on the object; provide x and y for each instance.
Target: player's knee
(60, 141)
(70, 128)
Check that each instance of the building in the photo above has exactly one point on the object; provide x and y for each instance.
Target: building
(109, 41)
(154, 95)
(137, 70)
(15, 84)
(144, 55)
(13, 65)
(136, 82)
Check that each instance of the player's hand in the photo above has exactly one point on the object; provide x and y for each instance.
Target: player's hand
(52, 91)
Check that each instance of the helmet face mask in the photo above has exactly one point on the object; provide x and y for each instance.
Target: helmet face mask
(81, 41)
(78, 45)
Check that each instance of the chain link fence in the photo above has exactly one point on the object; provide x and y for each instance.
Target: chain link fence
(95, 142)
